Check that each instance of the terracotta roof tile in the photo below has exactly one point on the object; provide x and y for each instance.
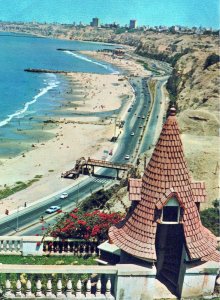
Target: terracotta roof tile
(165, 173)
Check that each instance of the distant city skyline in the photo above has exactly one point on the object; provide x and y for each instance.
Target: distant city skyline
(147, 12)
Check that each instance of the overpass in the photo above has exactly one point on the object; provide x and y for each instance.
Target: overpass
(87, 166)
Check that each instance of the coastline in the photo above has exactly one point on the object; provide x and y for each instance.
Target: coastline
(99, 94)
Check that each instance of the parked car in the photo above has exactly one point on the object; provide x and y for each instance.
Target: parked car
(64, 196)
(143, 117)
(52, 209)
(132, 134)
(140, 126)
(127, 157)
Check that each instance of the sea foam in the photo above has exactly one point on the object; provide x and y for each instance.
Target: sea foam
(50, 85)
(82, 57)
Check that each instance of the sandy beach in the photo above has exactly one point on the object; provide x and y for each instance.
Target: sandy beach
(74, 137)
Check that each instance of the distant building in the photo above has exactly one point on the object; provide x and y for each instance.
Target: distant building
(95, 22)
(133, 24)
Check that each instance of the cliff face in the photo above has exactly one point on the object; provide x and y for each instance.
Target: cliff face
(194, 82)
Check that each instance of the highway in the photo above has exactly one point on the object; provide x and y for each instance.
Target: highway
(126, 146)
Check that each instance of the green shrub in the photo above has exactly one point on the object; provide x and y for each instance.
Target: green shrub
(210, 218)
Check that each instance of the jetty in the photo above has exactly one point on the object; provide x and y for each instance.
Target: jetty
(87, 166)
(46, 71)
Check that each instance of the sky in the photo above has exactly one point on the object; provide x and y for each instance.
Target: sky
(147, 12)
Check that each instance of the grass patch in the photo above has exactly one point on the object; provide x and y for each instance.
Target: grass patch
(19, 186)
(46, 260)
(152, 85)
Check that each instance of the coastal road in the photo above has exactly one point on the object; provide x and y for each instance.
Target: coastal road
(127, 145)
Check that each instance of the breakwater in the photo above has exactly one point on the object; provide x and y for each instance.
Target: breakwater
(46, 71)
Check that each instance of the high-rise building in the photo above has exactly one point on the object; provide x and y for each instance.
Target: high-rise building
(95, 22)
(133, 24)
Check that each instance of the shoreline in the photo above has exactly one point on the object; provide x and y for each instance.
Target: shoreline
(93, 130)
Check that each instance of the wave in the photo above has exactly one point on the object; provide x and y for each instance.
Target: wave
(52, 84)
(79, 56)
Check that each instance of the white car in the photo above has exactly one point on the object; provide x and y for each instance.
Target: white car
(64, 196)
(52, 209)
(132, 134)
(127, 157)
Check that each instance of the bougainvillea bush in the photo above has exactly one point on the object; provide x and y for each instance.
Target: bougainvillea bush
(85, 225)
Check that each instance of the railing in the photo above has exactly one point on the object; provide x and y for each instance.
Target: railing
(37, 245)
(122, 281)
(108, 164)
(57, 282)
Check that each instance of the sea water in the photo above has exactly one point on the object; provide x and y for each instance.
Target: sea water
(26, 99)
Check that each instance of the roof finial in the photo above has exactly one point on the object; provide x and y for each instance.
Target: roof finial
(172, 111)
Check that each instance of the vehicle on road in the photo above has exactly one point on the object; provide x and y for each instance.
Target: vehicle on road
(139, 116)
(52, 209)
(64, 196)
(143, 117)
(140, 126)
(127, 157)
(132, 134)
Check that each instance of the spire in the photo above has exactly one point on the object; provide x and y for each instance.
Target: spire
(166, 175)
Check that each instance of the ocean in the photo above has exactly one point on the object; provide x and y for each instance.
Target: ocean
(27, 99)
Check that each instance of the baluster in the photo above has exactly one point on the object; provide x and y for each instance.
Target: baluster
(19, 244)
(94, 250)
(16, 247)
(78, 249)
(83, 250)
(89, 250)
(49, 287)
(13, 248)
(99, 252)
(69, 289)
(65, 247)
(98, 287)
(52, 248)
(108, 288)
(28, 288)
(38, 287)
(8, 293)
(88, 288)
(79, 289)
(59, 287)
(18, 287)
(75, 249)
(4, 247)
(68, 248)
(7, 247)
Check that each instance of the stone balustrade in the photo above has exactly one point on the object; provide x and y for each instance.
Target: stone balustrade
(121, 281)
(38, 246)
(58, 282)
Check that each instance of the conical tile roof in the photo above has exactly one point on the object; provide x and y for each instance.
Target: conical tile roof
(166, 175)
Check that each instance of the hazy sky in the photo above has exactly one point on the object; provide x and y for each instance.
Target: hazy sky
(148, 12)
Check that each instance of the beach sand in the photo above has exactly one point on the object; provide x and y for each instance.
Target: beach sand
(75, 137)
